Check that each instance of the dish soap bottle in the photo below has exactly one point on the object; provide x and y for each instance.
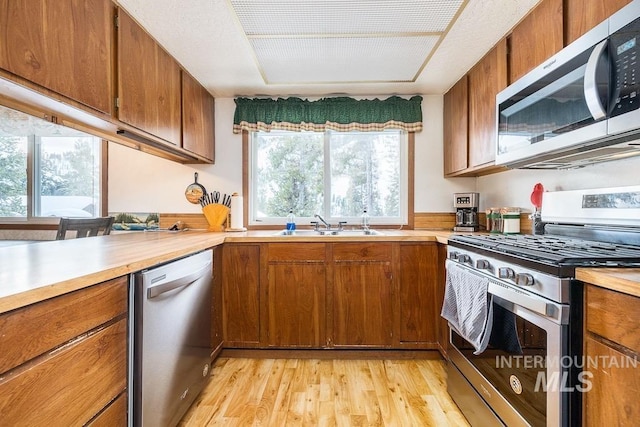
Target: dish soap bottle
(291, 221)
(365, 220)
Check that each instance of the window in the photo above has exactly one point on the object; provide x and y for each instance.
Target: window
(47, 170)
(335, 174)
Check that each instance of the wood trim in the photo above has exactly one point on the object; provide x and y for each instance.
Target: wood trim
(411, 177)
(193, 221)
(435, 220)
(411, 150)
(346, 354)
(245, 180)
(104, 178)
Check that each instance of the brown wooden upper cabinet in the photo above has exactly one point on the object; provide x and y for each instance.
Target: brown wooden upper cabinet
(583, 15)
(64, 46)
(197, 118)
(486, 79)
(456, 134)
(470, 116)
(148, 83)
(535, 39)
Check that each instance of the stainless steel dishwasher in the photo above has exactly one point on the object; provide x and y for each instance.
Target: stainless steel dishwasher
(170, 346)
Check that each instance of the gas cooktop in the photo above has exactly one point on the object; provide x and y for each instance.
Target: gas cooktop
(558, 250)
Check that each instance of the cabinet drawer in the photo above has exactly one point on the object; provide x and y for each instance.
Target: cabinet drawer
(614, 316)
(114, 415)
(296, 252)
(32, 330)
(362, 251)
(70, 385)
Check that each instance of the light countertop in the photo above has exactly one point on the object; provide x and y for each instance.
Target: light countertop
(33, 272)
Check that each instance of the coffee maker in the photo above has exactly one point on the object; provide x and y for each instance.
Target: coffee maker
(466, 205)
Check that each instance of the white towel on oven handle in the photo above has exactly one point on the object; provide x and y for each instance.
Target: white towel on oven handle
(468, 305)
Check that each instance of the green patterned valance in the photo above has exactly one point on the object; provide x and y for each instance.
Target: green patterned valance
(340, 114)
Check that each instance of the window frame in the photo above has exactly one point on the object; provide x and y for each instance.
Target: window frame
(30, 221)
(246, 184)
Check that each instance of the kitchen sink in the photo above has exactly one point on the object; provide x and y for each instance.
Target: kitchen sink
(330, 233)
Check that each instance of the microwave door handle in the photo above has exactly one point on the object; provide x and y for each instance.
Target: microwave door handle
(591, 95)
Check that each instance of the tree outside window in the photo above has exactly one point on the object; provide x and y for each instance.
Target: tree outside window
(335, 174)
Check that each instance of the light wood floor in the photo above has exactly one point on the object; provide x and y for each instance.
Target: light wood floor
(301, 392)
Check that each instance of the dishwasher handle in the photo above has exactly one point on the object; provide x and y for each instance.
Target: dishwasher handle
(161, 288)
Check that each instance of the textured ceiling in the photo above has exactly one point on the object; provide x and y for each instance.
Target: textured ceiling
(326, 47)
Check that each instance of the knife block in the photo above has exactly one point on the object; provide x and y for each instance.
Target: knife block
(216, 215)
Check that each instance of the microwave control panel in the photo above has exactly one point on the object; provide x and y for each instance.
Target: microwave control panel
(625, 45)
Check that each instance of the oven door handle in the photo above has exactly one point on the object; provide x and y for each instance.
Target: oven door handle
(520, 298)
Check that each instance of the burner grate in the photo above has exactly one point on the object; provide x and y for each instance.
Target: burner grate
(552, 249)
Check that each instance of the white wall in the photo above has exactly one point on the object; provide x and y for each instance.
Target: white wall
(513, 188)
(140, 182)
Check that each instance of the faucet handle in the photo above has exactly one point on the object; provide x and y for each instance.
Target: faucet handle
(341, 225)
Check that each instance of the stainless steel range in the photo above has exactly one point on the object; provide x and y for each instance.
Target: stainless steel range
(524, 369)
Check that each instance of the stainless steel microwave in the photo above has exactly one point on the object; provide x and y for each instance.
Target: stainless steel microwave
(581, 106)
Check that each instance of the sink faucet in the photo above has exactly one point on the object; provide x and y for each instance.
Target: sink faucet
(326, 224)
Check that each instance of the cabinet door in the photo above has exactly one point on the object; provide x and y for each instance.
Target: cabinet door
(362, 295)
(486, 79)
(197, 118)
(241, 294)
(63, 45)
(296, 305)
(419, 313)
(455, 127)
(612, 399)
(536, 38)
(296, 295)
(148, 83)
(583, 15)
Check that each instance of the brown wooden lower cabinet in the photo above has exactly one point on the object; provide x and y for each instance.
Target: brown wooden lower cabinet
(418, 293)
(296, 295)
(114, 415)
(241, 295)
(612, 354)
(65, 359)
(362, 295)
(332, 295)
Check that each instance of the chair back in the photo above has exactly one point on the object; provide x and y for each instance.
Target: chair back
(84, 227)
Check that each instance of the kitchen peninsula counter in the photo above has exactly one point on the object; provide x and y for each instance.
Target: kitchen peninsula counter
(38, 271)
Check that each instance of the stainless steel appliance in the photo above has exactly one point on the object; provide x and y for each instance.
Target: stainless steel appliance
(466, 206)
(530, 374)
(171, 339)
(579, 107)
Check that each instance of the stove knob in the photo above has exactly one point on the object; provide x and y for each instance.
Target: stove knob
(524, 279)
(482, 264)
(453, 255)
(506, 273)
(464, 258)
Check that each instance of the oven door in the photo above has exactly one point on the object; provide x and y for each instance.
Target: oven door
(520, 375)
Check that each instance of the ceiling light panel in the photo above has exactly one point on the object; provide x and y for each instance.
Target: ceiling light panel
(331, 60)
(291, 17)
(340, 41)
